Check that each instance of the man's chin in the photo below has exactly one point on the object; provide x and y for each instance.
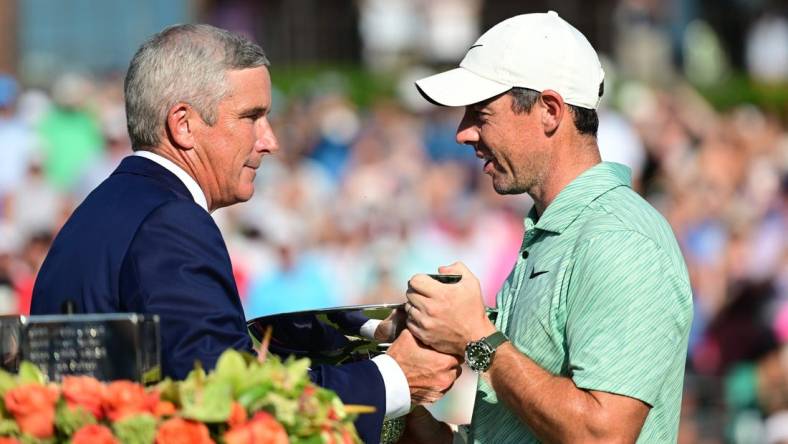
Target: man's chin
(243, 194)
(506, 188)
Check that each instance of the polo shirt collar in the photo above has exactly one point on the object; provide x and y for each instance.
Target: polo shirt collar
(576, 196)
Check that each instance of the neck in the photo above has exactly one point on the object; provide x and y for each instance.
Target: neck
(183, 159)
(568, 160)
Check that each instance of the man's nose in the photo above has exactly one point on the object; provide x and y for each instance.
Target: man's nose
(266, 139)
(467, 131)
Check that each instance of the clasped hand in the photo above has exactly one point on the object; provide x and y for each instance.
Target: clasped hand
(447, 316)
(441, 319)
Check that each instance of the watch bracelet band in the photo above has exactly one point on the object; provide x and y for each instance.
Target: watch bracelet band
(488, 346)
(495, 339)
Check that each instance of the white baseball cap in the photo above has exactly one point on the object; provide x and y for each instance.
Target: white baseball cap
(536, 51)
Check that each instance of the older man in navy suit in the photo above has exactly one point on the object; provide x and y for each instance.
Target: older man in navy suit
(197, 103)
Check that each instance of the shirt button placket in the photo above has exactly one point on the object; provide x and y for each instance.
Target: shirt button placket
(520, 268)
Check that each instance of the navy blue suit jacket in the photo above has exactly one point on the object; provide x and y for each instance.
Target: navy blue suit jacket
(139, 243)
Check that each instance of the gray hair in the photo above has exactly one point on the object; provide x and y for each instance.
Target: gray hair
(182, 63)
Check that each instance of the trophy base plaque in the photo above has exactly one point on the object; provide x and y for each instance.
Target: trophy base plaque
(105, 346)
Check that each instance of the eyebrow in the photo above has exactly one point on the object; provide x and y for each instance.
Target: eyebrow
(479, 106)
(256, 111)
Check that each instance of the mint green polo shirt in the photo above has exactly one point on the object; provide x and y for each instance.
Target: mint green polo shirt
(599, 294)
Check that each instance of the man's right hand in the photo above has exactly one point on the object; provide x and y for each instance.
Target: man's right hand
(430, 373)
(392, 326)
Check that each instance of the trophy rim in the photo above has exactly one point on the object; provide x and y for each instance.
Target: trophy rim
(327, 310)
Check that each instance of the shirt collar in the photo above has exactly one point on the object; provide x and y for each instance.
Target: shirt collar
(576, 196)
(188, 181)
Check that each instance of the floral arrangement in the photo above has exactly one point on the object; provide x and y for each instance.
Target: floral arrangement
(241, 401)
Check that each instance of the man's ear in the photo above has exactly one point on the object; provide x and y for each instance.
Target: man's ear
(180, 125)
(553, 110)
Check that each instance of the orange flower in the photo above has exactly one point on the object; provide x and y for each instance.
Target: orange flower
(181, 431)
(94, 434)
(86, 392)
(124, 398)
(164, 408)
(4, 440)
(33, 408)
(237, 415)
(261, 428)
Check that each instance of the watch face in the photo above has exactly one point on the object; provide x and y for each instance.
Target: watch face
(478, 356)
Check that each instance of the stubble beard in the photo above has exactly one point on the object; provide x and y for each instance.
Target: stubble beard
(529, 179)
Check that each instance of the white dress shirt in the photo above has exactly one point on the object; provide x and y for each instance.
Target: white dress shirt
(396, 384)
(191, 184)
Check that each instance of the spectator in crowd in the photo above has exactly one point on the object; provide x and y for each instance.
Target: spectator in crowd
(71, 135)
(17, 140)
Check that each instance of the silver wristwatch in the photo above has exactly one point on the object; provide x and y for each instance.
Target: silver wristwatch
(479, 354)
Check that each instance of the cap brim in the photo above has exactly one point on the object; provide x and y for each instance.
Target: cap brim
(459, 87)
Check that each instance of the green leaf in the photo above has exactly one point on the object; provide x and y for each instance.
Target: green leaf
(137, 429)
(210, 403)
(169, 390)
(28, 439)
(196, 376)
(30, 374)
(296, 375)
(253, 395)
(69, 420)
(231, 368)
(313, 439)
(297, 369)
(7, 382)
(285, 409)
(8, 427)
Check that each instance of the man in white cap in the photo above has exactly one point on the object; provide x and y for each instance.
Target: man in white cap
(590, 337)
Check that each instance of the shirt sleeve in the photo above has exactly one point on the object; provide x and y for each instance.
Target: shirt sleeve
(397, 388)
(369, 328)
(626, 316)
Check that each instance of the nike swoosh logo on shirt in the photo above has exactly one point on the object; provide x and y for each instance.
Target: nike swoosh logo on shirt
(537, 273)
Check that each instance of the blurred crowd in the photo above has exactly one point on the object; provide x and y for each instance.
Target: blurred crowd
(359, 199)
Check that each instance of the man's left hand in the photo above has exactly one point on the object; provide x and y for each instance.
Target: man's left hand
(447, 316)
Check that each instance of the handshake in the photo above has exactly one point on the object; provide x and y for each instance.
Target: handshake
(427, 335)
(430, 373)
(443, 313)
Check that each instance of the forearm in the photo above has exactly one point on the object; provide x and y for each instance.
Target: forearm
(552, 406)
